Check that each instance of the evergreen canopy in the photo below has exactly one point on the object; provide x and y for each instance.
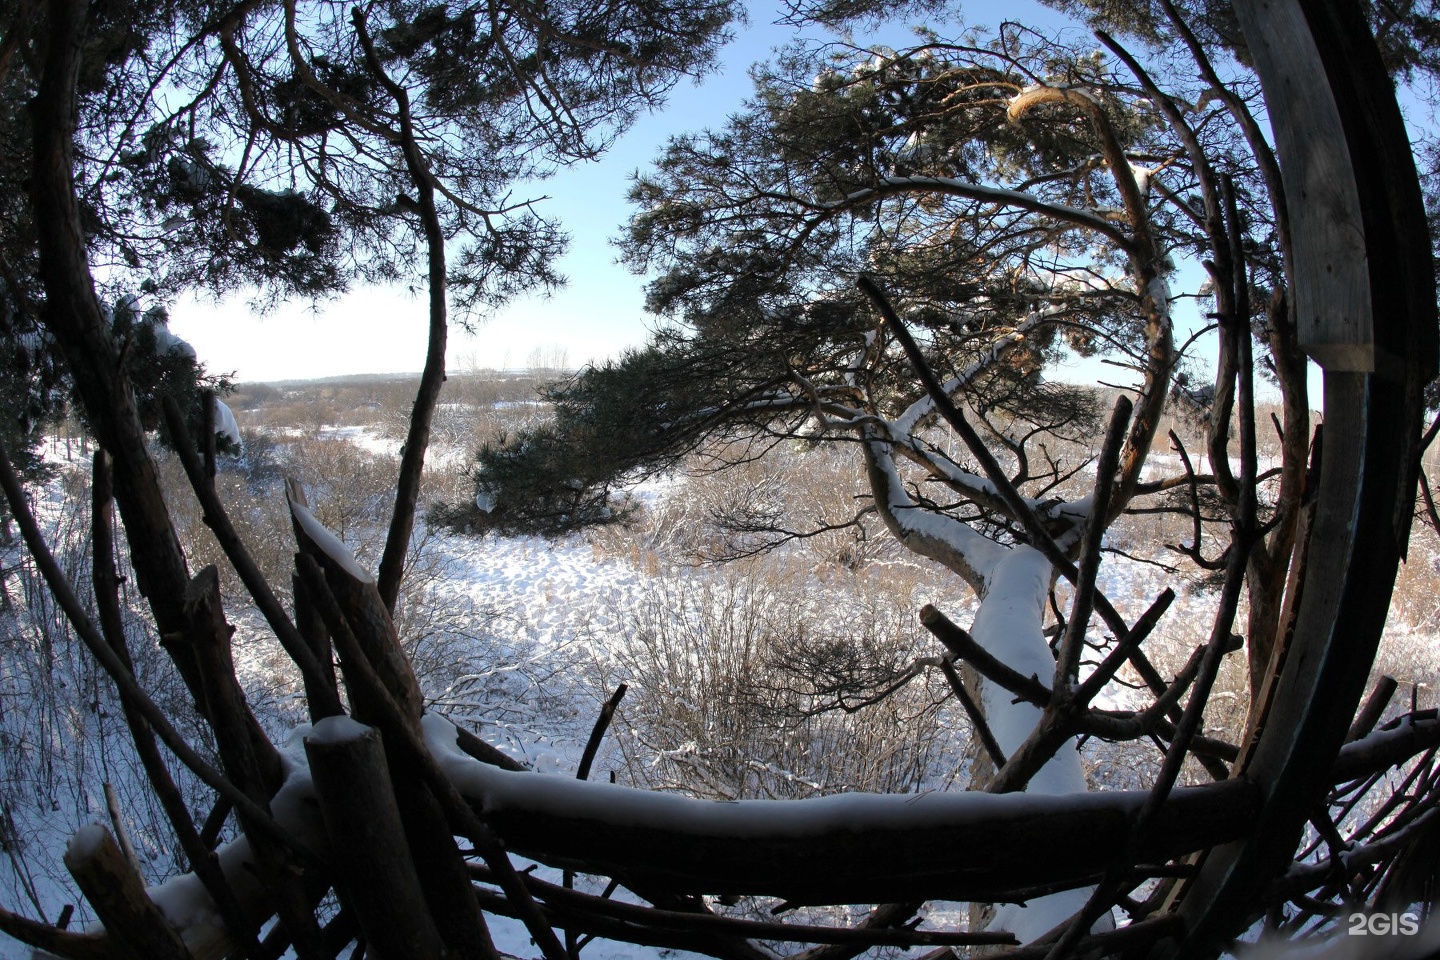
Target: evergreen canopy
(239, 146)
(973, 179)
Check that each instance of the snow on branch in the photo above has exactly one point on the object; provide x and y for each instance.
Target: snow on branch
(948, 541)
(327, 543)
(859, 848)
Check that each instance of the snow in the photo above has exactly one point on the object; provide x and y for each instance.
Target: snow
(1159, 290)
(86, 841)
(1142, 177)
(1009, 625)
(225, 424)
(183, 899)
(336, 730)
(328, 543)
(1029, 921)
(540, 602)
(1075, 280)
(919, 525)
(167, 342)
(753, 820)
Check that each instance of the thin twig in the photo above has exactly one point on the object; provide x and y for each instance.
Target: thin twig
(124, 680)
(592, 746)
(565, 901)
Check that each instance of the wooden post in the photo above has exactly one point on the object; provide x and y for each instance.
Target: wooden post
(249, 758)
(1355, 206)
(1366, 303)
(322, 689)
(372, 862)
(118, 895)
(377, 673)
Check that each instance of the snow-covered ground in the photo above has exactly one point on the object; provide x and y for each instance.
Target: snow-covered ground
(513, 637)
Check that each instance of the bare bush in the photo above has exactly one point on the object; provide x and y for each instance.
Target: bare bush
(742, 688)
(63, 741)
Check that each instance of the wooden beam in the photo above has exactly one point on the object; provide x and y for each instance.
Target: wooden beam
(850, 848)
(1344, 156)
(1365, 288)
(118, 895)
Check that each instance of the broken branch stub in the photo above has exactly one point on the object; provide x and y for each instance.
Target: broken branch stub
(360, 603)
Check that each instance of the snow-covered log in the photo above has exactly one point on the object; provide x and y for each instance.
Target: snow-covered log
(855, 848)
(112, 887)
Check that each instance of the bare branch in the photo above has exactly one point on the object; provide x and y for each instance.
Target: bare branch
(124, 680)
(322, 697)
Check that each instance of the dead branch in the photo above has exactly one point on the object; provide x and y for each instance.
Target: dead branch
(118, 895)
(1373, 709)
(323, 700)
(430, 836)
(973, 711)
(592, 746)
(209, 637)
(105, 582)
(124, 680)
(884, 915)
(575, 907)
(964, 647)
(1067, 666)
(1391, 745)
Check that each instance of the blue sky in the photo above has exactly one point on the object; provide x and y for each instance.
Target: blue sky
(598, 314)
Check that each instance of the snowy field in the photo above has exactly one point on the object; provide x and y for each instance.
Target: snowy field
(521, 639)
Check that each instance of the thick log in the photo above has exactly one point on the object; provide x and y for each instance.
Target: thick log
(443, 877)
(375, 872)
(321, 687)
(1390, 746)
(354, 590)
(855, 848)
(118, 896)
(250, 760)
